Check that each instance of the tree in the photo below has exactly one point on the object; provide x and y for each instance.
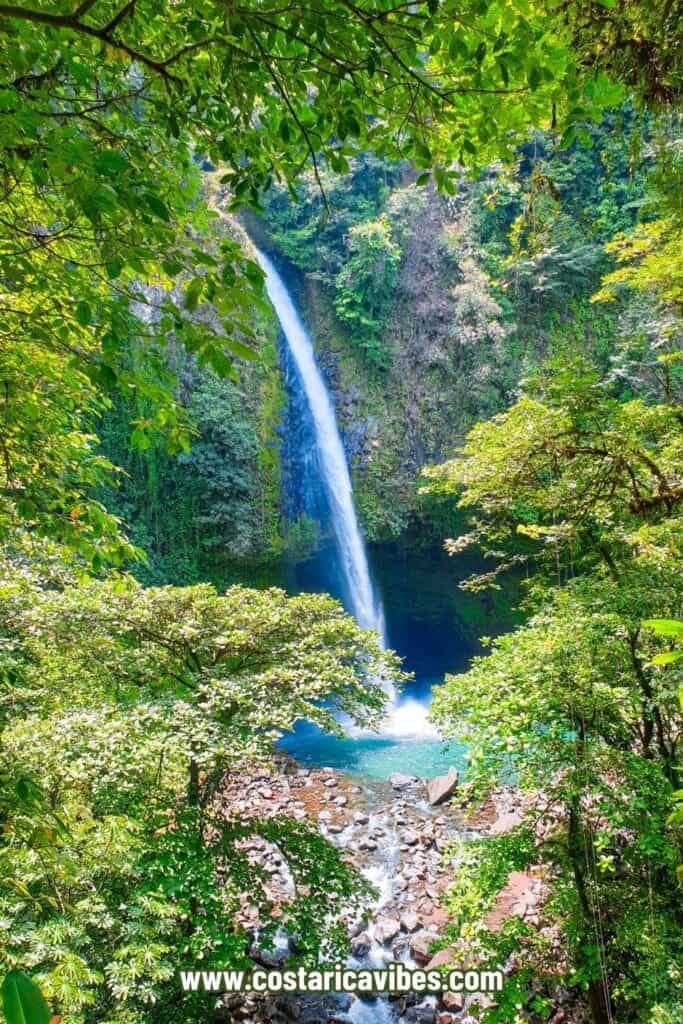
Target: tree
(364, 287)
(575, 703)
(564, 705)
(123, 708)
(569, 466)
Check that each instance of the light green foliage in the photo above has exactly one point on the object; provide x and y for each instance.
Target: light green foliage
(489, 282)
(364, 287)
(123, 708)
(573, 469)
(575, 706)
(103, 108)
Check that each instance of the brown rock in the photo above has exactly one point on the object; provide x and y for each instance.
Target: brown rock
(453, 1001)
(421, 946)
(442, 787)
(410, 921)
(441, 959)
(386, 929)
(361, 944)
(400, 781)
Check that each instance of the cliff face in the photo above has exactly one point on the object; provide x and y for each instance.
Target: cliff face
(217, 506)
(445, 363)
(425, 310)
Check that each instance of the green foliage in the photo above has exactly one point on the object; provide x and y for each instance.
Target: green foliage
(22, 1000)
(123, 708)
(577, 706)
(219, 501)
(314, 242)
(364, 286)
(564, 468)
(489, 283)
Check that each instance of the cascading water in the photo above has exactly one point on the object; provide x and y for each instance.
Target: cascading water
(361, 598)
(406, 718)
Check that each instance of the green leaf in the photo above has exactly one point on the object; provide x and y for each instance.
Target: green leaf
(568, 137)
(667, 657)
(22, 1000)
(157, 206)
(83, 313)
(171, 267)
(238, 349)
(534, 77)
(665, 627)
(192, 293)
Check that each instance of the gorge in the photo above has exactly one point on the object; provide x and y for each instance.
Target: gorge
(341, 476)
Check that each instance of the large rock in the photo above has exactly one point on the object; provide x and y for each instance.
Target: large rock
(454, 1001)
(400, 781)
(410, 921)
(441, 959)
(442, 787)
(386, 929)
(506, 822)
(421, 946)
(361, 944)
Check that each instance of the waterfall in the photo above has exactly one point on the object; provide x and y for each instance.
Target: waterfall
(362, 600)
(406, 718)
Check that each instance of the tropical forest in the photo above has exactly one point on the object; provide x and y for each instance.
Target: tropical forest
(341, 512)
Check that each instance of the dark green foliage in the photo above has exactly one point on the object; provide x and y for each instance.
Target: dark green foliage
(218, 502)
(315, 241)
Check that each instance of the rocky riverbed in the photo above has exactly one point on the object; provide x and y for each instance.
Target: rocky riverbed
(397, 834)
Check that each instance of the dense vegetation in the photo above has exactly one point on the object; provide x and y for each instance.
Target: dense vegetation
(580, 481)
(488, 283)
(478, 194)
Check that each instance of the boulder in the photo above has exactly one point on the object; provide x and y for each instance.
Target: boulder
(400, 781)
(386, 929)
(361, 945)
(410, 921)
(441, 959)
(453, 1001)
(441, 787)
(506, 822)
(421, 946)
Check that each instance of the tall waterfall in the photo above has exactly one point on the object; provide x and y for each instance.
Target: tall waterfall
(362, 601)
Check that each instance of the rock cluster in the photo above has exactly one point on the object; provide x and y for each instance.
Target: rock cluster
(396, 834)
